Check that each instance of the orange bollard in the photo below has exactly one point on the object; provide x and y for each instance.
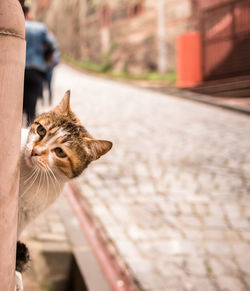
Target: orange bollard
(189, 60)
(12, 62)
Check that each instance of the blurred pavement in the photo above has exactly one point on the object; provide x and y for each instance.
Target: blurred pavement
(173, 193)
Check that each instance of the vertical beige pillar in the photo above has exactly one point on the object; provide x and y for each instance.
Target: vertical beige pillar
(12, 61)
(161, 34)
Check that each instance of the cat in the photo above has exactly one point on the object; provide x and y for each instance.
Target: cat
(55, 149)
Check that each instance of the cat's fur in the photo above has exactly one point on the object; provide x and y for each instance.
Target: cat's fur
(22, 256)
(44, 167)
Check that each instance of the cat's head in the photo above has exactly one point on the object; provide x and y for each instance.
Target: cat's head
(58, 141)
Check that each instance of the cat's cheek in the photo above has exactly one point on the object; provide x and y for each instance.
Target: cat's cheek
(27, 155)
(28, 160)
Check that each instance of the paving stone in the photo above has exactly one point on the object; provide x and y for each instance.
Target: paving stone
(170, 233)
(230, 264)
(213, 235)
(185, 209)
(231, 235)
(244, 263)
(240, 248)
(247, 280)
(115, 232)
(233, 211)
(201, 209)
(215, 267)
(172, 220)
(150, 280)
(230, 284)
(219, 266)
(191, 221)
(196, 266)
(193, 234)
(172, 248)
(201, 283)
(218, 248)
(140, 265)
(216, 210)
(173, 284)
(245, 235)
(241, 224)
(215, 222)
(127, 249)
(170, 269)
(135, 232)
(102, 210)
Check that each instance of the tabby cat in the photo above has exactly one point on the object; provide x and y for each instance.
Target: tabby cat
(55, 149)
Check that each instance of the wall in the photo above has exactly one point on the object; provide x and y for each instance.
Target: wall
(122, 33)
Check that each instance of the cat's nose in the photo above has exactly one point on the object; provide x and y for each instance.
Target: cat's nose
(34, 153)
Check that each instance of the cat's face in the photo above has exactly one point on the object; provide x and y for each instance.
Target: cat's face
(58, 142)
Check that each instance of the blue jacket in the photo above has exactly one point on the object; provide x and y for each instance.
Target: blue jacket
(37, 40)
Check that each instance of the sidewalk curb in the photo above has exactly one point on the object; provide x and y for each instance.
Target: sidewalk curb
(118, 279)
(85, 272)
(201, 98)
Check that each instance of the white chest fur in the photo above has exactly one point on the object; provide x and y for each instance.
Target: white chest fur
(37, 190)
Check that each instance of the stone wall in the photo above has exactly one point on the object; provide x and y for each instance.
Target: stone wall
(135, 41)
(121, 33)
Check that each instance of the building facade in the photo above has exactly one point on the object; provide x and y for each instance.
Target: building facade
(225, 30)
(126, 34)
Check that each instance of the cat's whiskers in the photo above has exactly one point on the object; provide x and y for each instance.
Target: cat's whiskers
(53, 179)
(47, 187)
(50, 177)
(38, 188)
(30, 176)
(52, 173)
(27, 175)
(45, 174)
(37, 171)
(41, 164)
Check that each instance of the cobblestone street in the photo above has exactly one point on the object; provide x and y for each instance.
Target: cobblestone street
(173, 193)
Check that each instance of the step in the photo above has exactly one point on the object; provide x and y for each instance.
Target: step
(231, 87)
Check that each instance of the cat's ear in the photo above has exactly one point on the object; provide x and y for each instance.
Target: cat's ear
(64, 106)
(98, 148)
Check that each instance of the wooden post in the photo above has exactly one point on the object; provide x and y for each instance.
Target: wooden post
(12, 62)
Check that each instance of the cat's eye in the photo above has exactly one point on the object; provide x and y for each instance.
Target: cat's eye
(41, 131)
(60, 153)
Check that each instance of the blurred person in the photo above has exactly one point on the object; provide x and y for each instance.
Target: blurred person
(53, 58)
(38, 45)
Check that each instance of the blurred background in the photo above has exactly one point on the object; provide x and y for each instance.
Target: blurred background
(103, 36)
(168, 208)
